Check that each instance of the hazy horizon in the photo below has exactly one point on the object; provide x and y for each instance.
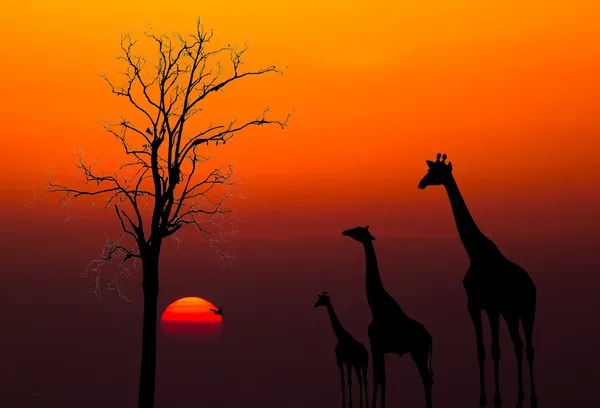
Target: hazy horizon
(69, 349)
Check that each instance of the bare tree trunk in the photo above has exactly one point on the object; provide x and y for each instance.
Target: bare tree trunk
(186, 73)
(148, 365)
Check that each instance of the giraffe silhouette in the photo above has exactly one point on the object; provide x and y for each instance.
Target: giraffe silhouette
(349, 352)
(493, 283)
(391, 330)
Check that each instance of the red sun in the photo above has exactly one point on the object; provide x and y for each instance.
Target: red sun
(190, 317)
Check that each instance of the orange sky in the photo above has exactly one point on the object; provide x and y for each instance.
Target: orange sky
(508, 89)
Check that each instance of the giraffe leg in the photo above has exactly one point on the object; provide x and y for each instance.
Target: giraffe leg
(382, 380)
(421, 359)
(528, 319)
(512, 322)
(378, 376)
(365, 379)
(341, 366)
(376, 337)
(475, 314)
(349, 369)
(360, 385)
(495, 329)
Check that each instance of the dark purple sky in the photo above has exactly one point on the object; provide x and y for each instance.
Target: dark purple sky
(62, 348)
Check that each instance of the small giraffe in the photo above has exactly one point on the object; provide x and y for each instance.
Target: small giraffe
(493, 283)
(391, 330)
(349, 352)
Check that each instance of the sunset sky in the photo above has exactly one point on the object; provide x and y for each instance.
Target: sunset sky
(508, 90)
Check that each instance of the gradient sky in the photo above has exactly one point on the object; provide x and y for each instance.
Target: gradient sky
(508, 89)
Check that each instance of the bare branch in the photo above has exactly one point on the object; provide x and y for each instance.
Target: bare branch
(111, 250)
(227, 133)
(166, 183)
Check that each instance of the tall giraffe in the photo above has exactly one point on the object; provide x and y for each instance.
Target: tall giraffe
(493, 283)
(348, 352)
(391, 330)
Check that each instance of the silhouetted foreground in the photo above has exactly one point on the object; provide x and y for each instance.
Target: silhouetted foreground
(349, 352)
(493, 283)
(391, 330)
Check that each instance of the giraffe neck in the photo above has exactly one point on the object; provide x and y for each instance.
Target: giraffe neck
(335, 322)
(375, 290)
(475, 242)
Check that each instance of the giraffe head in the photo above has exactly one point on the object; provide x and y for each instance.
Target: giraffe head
(438, 174)
(360, 234)
(323, 300)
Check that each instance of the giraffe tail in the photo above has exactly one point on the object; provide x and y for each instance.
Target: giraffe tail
(430, 357)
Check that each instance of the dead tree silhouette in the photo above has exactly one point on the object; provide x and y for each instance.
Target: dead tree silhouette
(391, 330)
(493, 283)
(348, 352)
(167, 158)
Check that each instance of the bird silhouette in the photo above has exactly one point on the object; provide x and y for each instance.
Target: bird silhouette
(218, 312)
